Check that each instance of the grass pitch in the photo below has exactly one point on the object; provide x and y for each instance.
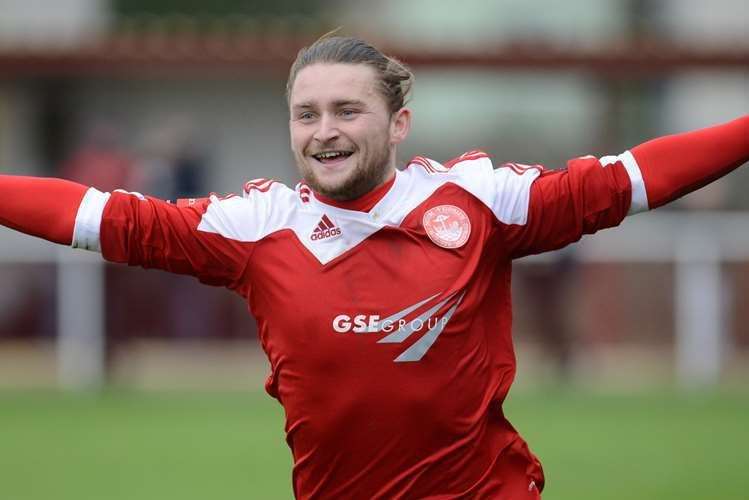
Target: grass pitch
(139, 446)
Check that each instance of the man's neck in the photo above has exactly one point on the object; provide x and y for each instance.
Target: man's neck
(367, 201)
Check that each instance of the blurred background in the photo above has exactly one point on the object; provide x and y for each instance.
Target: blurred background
(633, 345)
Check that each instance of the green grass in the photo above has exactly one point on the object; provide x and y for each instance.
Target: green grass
(129, 445)
(126, 445)
(646, 446)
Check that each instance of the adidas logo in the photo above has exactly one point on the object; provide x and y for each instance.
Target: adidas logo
(325, 229)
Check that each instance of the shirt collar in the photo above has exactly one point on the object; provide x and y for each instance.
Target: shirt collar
(364, 203)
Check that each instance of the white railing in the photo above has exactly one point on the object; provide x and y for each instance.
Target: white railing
(696, 243)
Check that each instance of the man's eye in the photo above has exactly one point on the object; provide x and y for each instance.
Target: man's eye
(306, 116)
(348, 113)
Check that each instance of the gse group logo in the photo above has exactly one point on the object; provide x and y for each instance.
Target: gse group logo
(401, 325)
(362, 323)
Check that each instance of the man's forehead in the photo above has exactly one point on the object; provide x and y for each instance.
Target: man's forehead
(332, 83)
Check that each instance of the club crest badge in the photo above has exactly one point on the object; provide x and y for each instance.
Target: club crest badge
(447, 226)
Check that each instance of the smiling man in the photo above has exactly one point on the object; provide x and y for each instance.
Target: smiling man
(382, 296)
(347, 116)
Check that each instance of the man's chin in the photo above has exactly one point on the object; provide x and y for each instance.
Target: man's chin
(338, 191)
(346, 189)
(332, 183)
(344, 185)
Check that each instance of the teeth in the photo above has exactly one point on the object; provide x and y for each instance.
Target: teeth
(329, 154)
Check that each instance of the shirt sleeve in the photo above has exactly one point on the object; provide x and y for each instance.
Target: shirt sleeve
(677, 164)
(42, 207)
(558, 207)
(183, 238)
(552, 209)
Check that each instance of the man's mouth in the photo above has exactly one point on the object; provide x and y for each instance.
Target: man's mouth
(331, 157)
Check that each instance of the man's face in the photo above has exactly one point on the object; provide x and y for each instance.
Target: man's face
(342, 133)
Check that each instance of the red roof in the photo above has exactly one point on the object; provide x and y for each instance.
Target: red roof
(155, 48)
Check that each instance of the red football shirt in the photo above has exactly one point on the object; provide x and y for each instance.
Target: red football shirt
(387, 330)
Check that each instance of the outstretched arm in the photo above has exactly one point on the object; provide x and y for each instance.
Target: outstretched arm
(128, 227)
(42, 207)
(592, 194)
(675, 165)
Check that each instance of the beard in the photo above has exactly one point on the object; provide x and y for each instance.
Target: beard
(368, 173)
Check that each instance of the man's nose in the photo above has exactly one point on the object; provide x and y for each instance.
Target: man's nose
(327, 129)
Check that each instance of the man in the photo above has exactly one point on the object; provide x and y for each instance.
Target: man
(382, 296)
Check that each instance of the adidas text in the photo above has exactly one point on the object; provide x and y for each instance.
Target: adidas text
(328, 233)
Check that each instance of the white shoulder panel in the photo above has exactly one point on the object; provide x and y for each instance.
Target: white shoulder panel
(506, 190)
(512, 188)
(262, 212)
(417, 183)
(253, 216)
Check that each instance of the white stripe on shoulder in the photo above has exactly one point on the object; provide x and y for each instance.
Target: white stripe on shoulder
(417, 183)
(252, 217)
(88, 220)
(512, 192)
(639, 194)
(505, 190)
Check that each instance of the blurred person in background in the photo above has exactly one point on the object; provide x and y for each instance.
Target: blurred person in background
(101, 160)
(173, 161)
(382, 296)
(549, 283)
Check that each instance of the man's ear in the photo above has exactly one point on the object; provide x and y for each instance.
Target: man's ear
(400, 125)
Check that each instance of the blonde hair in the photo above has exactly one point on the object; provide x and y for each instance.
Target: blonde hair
(395, 79)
